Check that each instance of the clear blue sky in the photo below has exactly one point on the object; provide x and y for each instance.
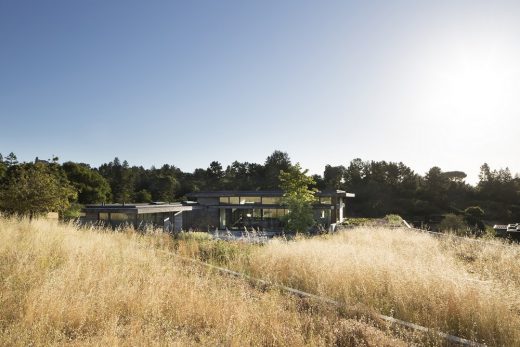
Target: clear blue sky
(189, 82)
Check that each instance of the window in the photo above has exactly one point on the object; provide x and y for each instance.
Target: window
(224, 200)
(119, 217)
(327, 200)
(103, 216)
(274, 212)
(249, 200)
(234, 200)
(271, 200)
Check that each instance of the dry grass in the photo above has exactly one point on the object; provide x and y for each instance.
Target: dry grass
(61, 285)
(465, 288)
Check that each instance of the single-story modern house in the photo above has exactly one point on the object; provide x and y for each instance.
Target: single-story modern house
(140, 216)
(224, 210)
(263, 210)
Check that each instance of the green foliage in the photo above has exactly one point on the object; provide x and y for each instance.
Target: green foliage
(333, 177)
(381, 187)
(72, 212)
(3, 168)
(91, 186)
(35, 189)
(11, 159)
(454, 223)
(394, 220)
(474, 211)
(455, 176)
(357, 221)
(276, 162)
(143, 196)
(489, 232)
(298, 198)
(473, 217)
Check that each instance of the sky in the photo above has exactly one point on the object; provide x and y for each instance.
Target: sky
(188, 82)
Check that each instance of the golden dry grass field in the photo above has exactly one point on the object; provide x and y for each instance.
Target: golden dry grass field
(63, 285)
(60, 285)
(458, 286)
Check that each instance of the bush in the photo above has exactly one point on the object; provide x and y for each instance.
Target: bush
(394, 219)
(474, 215)
(357, 221)
(454, 223)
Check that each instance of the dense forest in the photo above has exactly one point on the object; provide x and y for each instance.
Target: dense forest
(381, 187)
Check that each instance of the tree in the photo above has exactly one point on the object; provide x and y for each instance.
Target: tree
(455, 176)
(11, 159)
(298, 198)
(214, 175)
(91, 186)
(143, 196)
(273, 165)
(3, 167)
(473, 216)
(121, 179)
(435, 188)
(35, 189)
(333, 176)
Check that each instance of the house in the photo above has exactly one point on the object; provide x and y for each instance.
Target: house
(231, 210)
(140, 216)
(263, 209)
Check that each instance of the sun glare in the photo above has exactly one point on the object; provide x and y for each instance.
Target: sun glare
(473, 80)
(476, 84)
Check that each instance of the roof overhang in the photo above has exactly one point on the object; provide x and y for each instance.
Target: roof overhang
(138, 208)
(274, 193)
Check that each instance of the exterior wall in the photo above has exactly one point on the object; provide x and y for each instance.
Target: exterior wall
(178, 221)
(203, 219)
(341, 208)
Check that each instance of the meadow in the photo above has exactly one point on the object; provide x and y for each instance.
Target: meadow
(62, 284)
(461, 287)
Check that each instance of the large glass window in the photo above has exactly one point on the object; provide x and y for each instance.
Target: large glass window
(103, 216)
(274, 212)
(224, 200)
(120, 217)
(234, 200)
(326, 200)
(271, 200)
(249, 200)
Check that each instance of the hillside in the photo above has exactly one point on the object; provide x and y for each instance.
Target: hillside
(61, 285)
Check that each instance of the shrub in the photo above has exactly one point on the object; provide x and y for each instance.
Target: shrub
(455, 224)
(394, 219)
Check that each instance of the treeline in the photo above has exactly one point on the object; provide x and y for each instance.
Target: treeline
(381, 187)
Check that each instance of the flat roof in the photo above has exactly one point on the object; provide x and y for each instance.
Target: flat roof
(219, 193)
(138, 208)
